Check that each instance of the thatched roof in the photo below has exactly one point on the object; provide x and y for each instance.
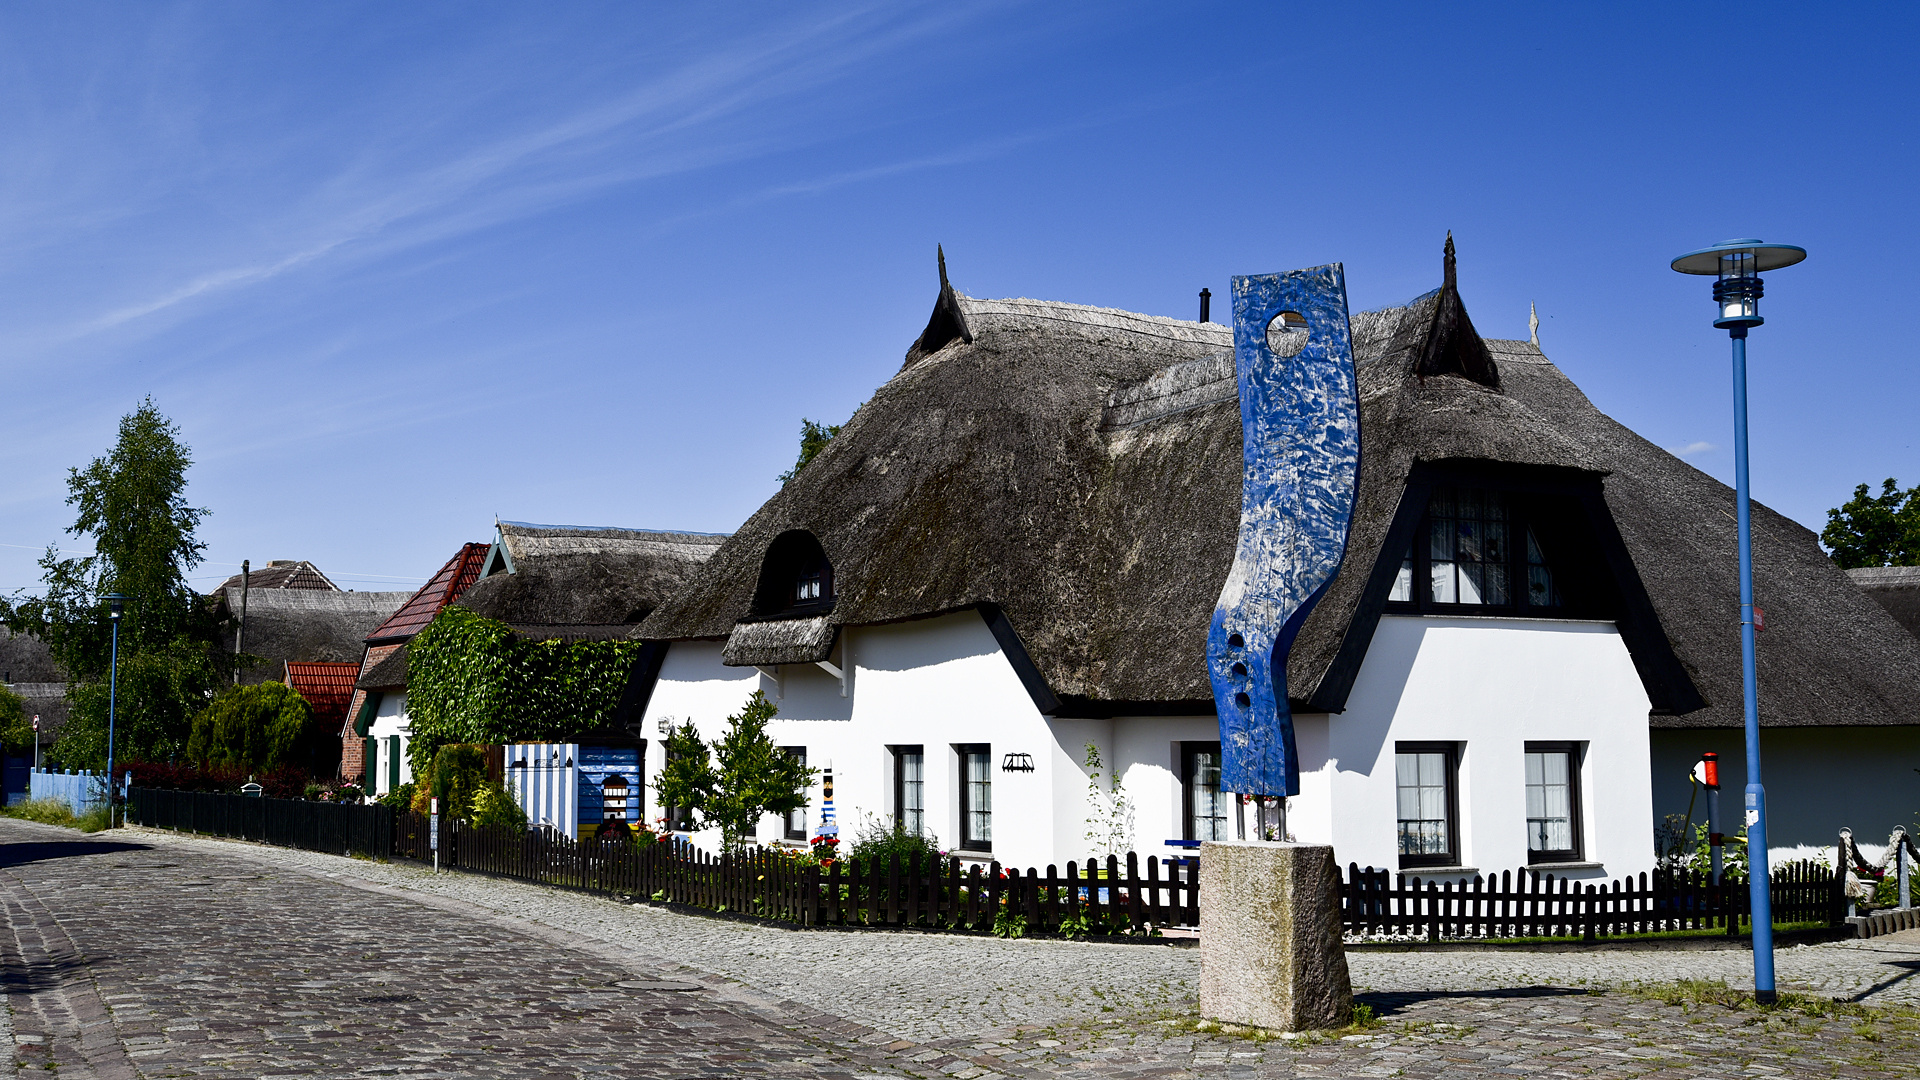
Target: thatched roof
(388, 672)
(48, 701)
(570, 581)
(1075, 472)
(25, 658)
(1895, 588)
(306, 625)
(282, 574)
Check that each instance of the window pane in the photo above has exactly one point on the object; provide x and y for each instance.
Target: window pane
(1209, 803)
(979, 798)
(1549, 801)
(913, 808)
(1403, 581)
(1422, 779)
(1540, 587)
(1441, 587)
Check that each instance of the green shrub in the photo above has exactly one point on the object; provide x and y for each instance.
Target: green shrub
(882, 839)
(400, 798)
(1006, 924)
(494, 805)
(455, 776)
(97, 819)
(45, 811)
(267, 726)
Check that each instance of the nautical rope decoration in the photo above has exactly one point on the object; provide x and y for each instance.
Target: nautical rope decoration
(1300, 433)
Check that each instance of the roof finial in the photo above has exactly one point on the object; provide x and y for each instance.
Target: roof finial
(1533, 323)
(1450, 282)
(941, 254)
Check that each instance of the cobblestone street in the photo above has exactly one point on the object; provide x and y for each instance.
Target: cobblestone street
(138, 953)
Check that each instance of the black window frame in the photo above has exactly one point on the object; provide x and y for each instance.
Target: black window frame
(1450, 857)
(786, 820)
(1189, 759)
(1576, 754)
(900, 786)
(968, 841)
(1555, 519)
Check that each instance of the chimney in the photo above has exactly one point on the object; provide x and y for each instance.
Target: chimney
(1206, 302)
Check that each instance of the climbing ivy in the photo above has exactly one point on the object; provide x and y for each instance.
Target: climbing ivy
(471, 679)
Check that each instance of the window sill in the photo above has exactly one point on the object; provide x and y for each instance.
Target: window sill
(1566, 866)
(1438, 871)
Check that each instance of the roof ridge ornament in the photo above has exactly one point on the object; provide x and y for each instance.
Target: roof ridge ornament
(946, 323)
(1453, 347)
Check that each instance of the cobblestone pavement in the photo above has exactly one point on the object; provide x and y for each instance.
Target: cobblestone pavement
(508, 974)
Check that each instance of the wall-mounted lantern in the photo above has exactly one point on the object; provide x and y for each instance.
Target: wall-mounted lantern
(250, 789)
(1017, 763)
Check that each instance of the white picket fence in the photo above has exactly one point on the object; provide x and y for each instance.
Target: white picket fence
(80, 790)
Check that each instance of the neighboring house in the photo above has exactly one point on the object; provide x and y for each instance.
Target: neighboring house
(28, 669)
(328, 687)
(548, 582)
(572, 583)
(1015, 548)
(374, 736)
(289, 611)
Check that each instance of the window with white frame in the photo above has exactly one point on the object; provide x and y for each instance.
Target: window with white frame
(976, 796)
(1553, 802)
(1428, 803)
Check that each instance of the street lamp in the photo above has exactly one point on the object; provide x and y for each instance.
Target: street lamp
(1738, 264)
(116, 605)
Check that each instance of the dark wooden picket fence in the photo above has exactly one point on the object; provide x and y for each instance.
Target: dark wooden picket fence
(336, 828)
(1527, 904)
(1093, 897)
(1113, 897)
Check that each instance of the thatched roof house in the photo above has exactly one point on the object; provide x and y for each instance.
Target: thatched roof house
(582, 581)
(1074, 472)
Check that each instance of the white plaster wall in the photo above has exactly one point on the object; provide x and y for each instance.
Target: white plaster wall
(931, 682)
(390, 718)
(1492, 684)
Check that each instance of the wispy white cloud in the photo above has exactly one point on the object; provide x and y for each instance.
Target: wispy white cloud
(671, 125)
(1692, 449)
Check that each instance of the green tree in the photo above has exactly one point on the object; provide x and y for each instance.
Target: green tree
(269, 726)
(16, 731)
(737, 778)
(131, 504)
(1875, 530)
(813, 439)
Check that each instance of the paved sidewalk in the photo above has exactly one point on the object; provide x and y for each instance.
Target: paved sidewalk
(220, 958)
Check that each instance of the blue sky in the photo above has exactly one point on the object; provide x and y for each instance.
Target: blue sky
(398, 269)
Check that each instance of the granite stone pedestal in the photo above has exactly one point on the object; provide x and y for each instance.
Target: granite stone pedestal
(1270, 952)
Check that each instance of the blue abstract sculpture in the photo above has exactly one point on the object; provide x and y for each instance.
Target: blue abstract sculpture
(1300, 428)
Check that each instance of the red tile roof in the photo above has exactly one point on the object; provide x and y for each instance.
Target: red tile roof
(447, 586)
(327, 686)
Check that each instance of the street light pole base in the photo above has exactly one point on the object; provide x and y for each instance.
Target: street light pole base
(1765, 997)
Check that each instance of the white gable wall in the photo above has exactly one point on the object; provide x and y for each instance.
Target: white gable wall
(1491, 685)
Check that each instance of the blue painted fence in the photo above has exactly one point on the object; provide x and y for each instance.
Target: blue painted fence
(82, 791)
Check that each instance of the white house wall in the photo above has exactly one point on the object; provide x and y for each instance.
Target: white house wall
(1491, 685)
(390, 719)
(1488, 684)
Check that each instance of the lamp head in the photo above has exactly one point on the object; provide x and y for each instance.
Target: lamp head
(1737, 264)
(116, 603)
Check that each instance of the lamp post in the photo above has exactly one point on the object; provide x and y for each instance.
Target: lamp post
(1737, 264)
(116, 605)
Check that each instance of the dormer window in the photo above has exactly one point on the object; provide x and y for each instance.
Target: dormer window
(1482, 549)
(795, 578)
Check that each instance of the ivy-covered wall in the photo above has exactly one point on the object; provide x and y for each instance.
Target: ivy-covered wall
(471, 679)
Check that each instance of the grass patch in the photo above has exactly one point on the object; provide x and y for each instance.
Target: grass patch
(1694, 993)
(57, 812)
